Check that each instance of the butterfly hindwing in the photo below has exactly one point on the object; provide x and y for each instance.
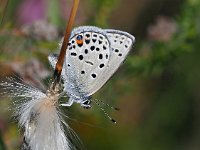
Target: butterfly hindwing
(87, 59)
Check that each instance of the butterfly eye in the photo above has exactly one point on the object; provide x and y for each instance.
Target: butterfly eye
(79, 40)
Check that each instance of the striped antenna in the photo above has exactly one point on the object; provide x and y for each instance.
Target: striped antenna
(61, 57)
(114, 108)
(102, 109)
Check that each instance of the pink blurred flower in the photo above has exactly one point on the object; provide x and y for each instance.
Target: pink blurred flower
(162, 30)
(30, 11)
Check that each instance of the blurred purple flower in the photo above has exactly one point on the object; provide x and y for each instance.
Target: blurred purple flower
(30, 11)
(41, 30)
(65, 9)
(162, 30)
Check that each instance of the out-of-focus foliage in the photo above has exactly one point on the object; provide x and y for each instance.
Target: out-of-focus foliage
(156, 55)
(103, 10)
(157, 88)
(2, 146)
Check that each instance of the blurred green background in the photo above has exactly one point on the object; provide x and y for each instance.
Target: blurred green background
(157, 88)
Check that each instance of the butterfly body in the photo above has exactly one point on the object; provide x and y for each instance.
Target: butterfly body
(93, 56)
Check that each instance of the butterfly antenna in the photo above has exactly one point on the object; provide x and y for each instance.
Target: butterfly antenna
(61, 57)
(114, 108)
(111, 119)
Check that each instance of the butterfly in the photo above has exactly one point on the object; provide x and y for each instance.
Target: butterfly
(92, 57)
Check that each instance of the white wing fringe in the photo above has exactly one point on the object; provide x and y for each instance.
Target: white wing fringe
(38, 114)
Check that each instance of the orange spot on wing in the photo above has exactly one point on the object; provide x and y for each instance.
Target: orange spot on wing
(79, 41)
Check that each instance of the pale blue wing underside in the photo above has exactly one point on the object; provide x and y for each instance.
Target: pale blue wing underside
(89, 66)
(120, 45)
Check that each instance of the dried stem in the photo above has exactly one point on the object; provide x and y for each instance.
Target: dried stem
(59, 64)
(3, 11)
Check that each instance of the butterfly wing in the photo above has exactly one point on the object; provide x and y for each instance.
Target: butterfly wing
(93, 55)
(87, 56)
(120, 45)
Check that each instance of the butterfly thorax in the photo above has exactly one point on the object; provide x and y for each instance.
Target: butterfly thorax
(85, 101)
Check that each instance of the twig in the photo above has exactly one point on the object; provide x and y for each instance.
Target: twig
(59, 64)
(3, 11)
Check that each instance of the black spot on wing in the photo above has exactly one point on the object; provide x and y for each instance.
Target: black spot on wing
(95, 35)
(86, 51)
(101, 37)
(101, 65)
(93, 75)
(106, 56)
(87, 41)
(90, 63)
(92, 48)
(82, 72)
(100, 42)
(80, 57)
(120, 54)
(116, 50)
(100, 56)
(87, 35)
(73, 54)
(94, 40)
(80, 45)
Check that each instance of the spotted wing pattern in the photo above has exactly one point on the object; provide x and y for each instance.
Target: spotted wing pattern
(93, 55)
(120, 45)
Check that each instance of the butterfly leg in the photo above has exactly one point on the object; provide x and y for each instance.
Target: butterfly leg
(86, 104)
(69, 103)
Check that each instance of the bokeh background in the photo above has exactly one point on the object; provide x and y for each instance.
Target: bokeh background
(157, 88)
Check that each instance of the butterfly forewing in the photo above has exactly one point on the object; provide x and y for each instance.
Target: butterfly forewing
(120, 45)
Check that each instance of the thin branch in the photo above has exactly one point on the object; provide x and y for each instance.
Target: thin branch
(3, 11)
(61, 57)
